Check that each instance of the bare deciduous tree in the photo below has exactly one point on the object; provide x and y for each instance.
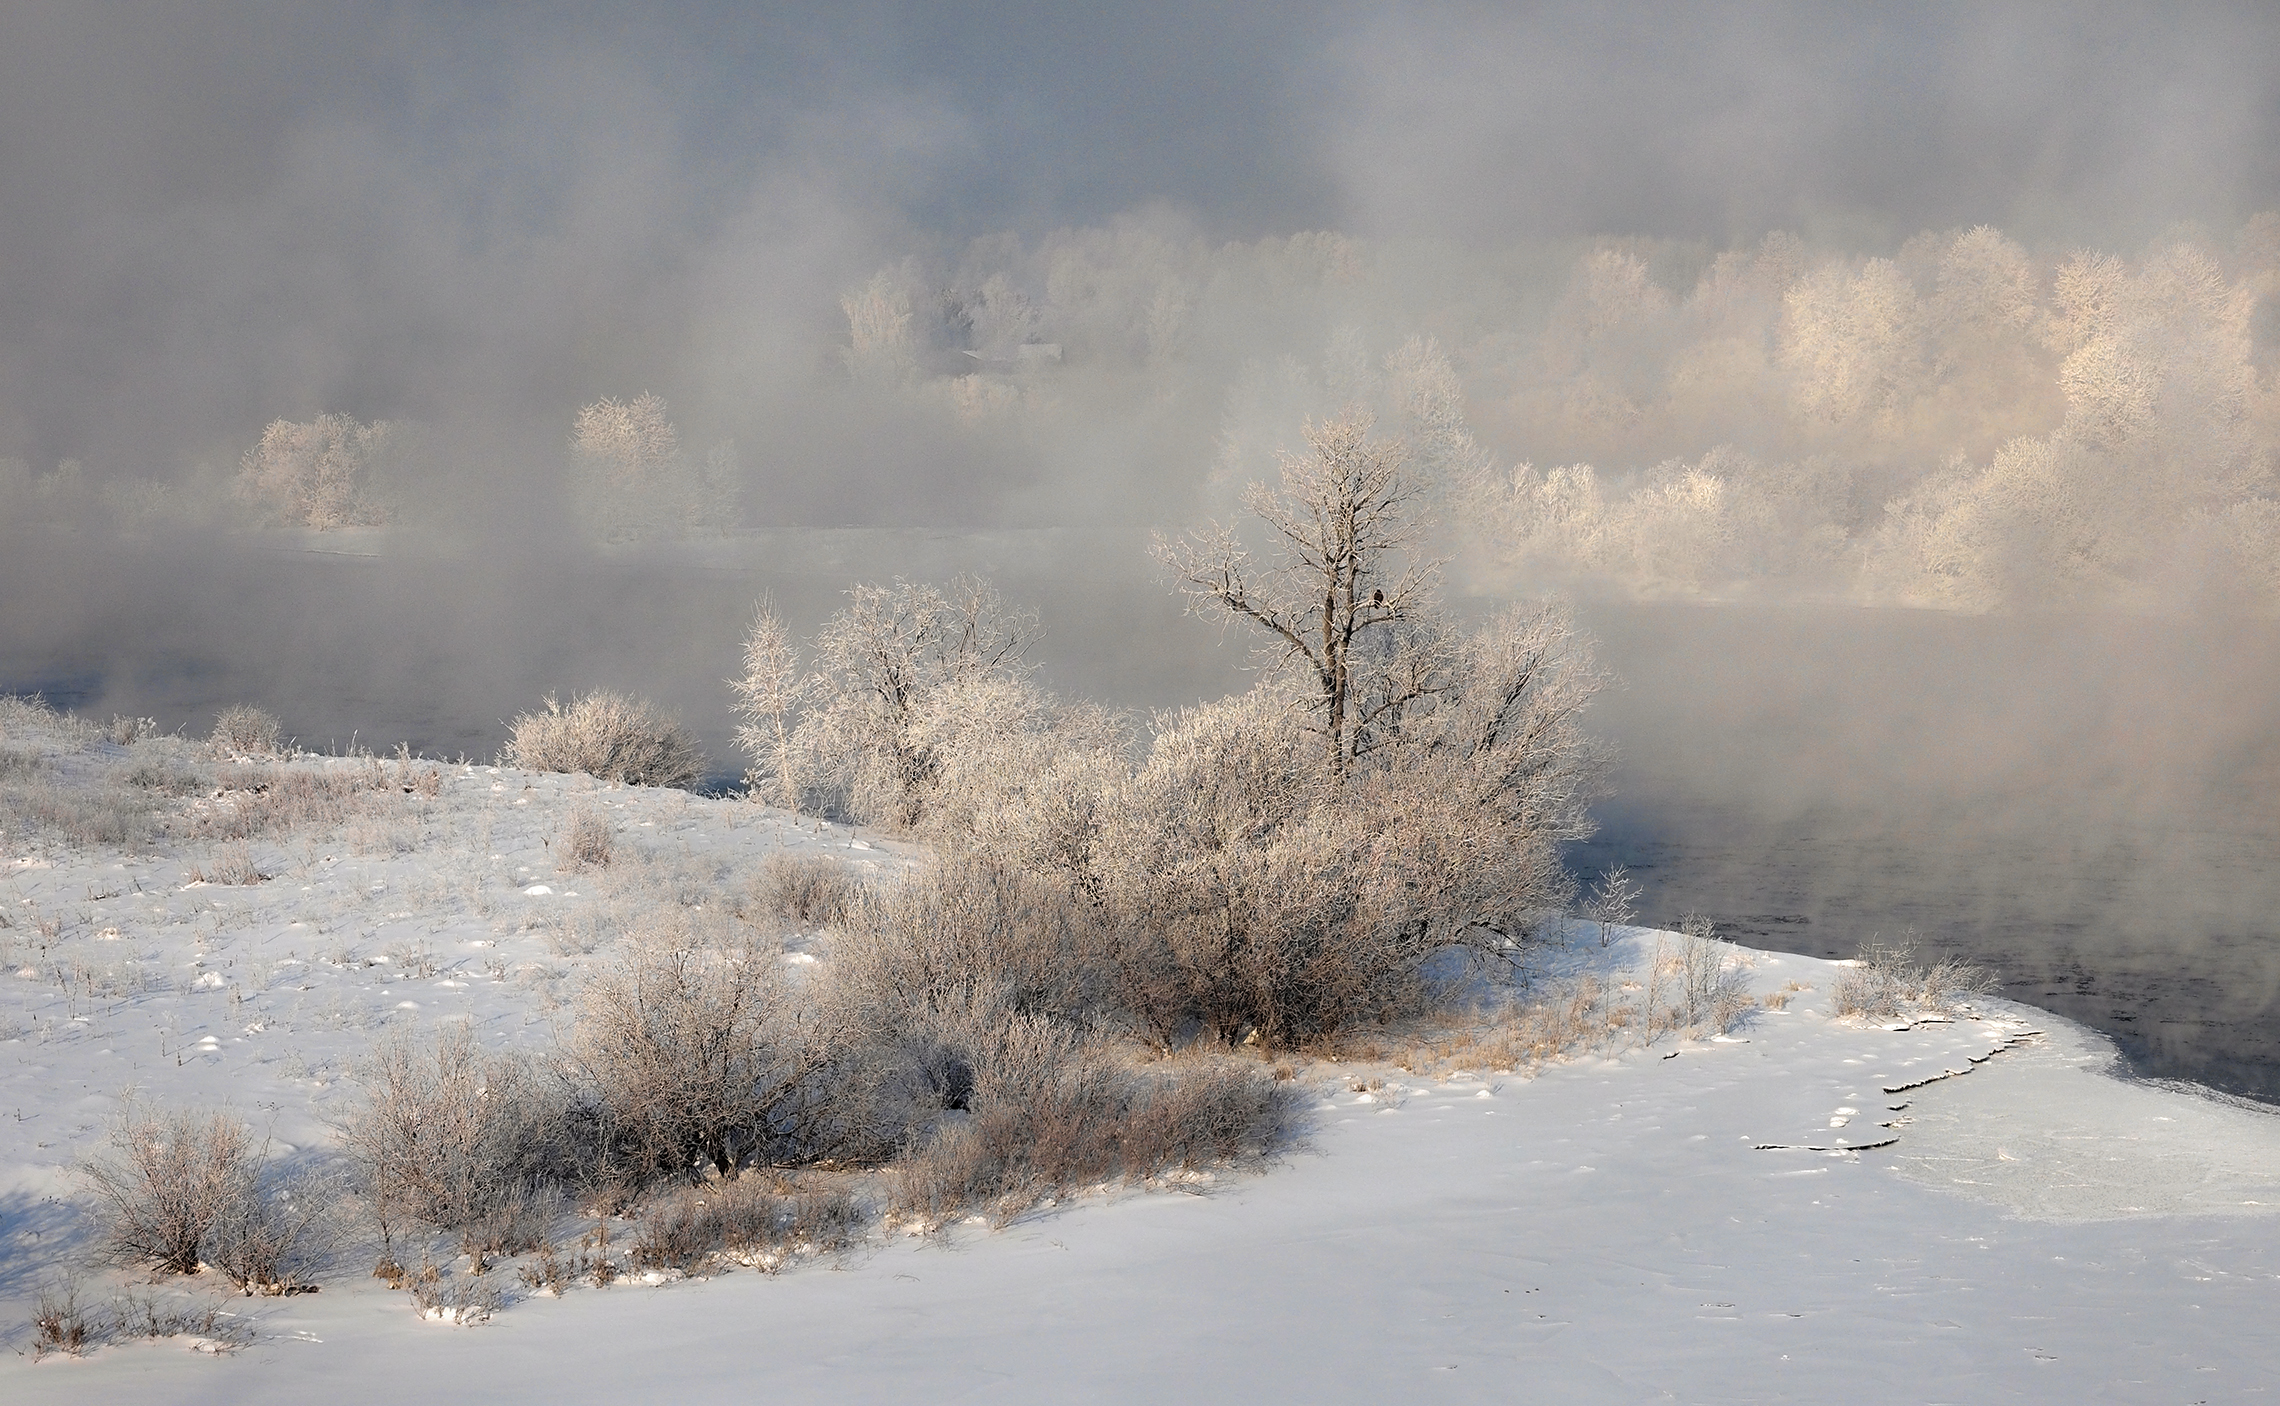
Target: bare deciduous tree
(1344, 601)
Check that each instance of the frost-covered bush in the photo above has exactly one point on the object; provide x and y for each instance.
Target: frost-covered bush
(185, 1189)
(243, 730)
(693, 1056)
(963, 926)
(587, 840)
(805, 890)
(1886, 981)
(168, 1180)
(610, 736)
(746, 1220)
(1048, 1110)
(462, 1140)
(1712, 986)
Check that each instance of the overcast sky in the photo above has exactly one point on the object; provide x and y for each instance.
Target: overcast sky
(213, 214)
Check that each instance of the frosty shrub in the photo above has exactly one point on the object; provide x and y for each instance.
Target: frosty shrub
(125, 731)
(1050, 1111)
(243, 730)
(454, 1138)
(747, 1220)
(61, 1323)
(695, 1056)
(1258, 893)
(964, 925)
(1712, 990)
(587, 840)
(1886, 981)
(274, 1241)
(465, 1299)
(609, 736)
(805, 890)
(185, 1189)
(168, 1180)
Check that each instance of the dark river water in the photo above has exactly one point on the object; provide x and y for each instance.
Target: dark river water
(2088, 807)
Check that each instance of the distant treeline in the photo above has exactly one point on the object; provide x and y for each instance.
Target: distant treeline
(1967, 423)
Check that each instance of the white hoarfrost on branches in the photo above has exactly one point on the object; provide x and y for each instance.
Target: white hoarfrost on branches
(697, 1058)
(1275, 866)
(1291, 860)
(612, 736)
(324, 474)
(769, 695)
(878, 710)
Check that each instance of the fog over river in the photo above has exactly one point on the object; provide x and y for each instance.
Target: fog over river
(2086, 805)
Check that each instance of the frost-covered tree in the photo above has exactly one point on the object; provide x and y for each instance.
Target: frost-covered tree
(882, 343)
(323, 474)
(1853, 341)
(769, 695)
(1343, 600)
(1289, 861)
(867, 741)
(633, 480)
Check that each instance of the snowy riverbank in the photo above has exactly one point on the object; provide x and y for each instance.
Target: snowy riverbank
(1812, 1208)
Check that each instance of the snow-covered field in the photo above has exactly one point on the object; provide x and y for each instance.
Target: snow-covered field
(1811, 1209)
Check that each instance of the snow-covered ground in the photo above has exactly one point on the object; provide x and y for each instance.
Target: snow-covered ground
(1812, 1209)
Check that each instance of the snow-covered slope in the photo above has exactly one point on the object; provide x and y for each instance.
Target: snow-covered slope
(1814, 1209)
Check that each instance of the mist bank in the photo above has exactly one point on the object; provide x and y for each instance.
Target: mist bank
(2082, 801)
(367, 635)
(1961, 422)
